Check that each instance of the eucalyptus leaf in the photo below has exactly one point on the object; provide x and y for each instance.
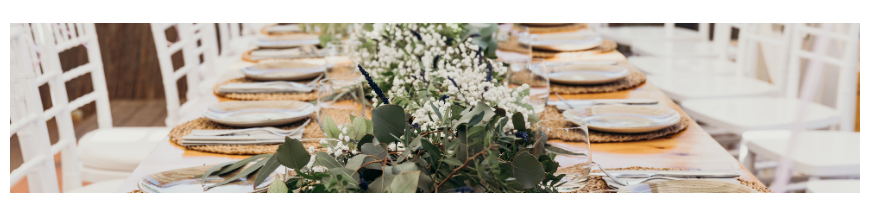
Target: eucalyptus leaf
(405, 182)
(433, 150)
(212, 170)
(479, 108)
(359, 128)
(277, 186)
(238, 176)
(241, 163)
(527, 170)
(381, 184)
(374, 150)
(368, 138)
(519, 121)
(292, 154)
(270, 166)
(326, 160)
(388, 120)
(330, 128)
(452, 161)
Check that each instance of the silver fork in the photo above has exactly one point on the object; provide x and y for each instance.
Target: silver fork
(623, 183)
(272, 130)
(314, 82)
(564, 101)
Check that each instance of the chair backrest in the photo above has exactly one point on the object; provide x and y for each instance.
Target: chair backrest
(38, 47)
(703, 28)
(835, 45)
(198, 44)
(752, 40)
(235, 37)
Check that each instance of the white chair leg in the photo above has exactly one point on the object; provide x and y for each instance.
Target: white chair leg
(747, 158)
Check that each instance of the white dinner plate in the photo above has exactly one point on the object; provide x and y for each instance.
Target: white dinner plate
(586, 74)
(563, 42)
(286, 69)
(182, 181)
(258, 113)
(624, 118)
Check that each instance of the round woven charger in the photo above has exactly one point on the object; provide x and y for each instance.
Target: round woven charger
(633, 80)
(263, 96)
(596, 183)
(605, 47)
(312, 130)
(556, 29)
(550, 113)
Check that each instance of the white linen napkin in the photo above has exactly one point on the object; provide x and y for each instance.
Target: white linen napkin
(253, 137)
(283, 28)
(265, 87)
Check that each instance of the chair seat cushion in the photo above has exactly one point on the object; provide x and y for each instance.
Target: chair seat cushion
(671, 66)
(120, 148)
(699, 86)
(742, 114)
(110, 186)
(834, 186)
(815, 153)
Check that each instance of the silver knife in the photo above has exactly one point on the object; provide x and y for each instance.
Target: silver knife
(563, 105)
(673, 174)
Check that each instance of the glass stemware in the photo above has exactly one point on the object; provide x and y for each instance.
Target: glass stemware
(536, 75)
(574, 156)
(340, 98)
(513, 43)
(340, 63)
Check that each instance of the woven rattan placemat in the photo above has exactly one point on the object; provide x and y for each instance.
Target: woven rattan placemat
(312, 130)
(264, 96)
(556, 29)
(551, 113)
(596, 183)
(633, 80)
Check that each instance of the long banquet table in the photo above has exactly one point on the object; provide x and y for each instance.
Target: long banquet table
(691, 149)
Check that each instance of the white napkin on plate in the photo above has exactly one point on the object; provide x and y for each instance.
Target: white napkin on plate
(253, 137)
(561, 106)
(265, 87)
(283, 28)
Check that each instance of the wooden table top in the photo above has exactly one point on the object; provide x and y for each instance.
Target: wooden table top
(691, 149)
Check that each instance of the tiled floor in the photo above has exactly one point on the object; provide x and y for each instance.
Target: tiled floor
(125, 113)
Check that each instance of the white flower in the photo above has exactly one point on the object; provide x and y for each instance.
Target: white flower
(311, 150)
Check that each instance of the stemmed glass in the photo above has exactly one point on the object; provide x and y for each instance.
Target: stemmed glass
(513, 43)
(573, 150)
(340, 57)
(340, 98)
(535, 74)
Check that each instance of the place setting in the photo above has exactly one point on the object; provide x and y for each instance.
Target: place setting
(285, 41)
(277, 79)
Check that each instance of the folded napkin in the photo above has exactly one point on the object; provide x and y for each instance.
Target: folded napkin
(289, 53)
(234, 137)
(283, 28)
(286, 41)
(265, 87)
(561, 105)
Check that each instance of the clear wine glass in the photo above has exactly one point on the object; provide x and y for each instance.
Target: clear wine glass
(573, 150)
(535, 74)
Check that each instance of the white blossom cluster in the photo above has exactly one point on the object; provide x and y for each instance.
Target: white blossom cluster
(408, 64)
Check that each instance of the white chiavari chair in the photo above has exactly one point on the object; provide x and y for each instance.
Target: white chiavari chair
(629, 35)
(757, 119)
(198, 45)
(721, 44)
(105, 156)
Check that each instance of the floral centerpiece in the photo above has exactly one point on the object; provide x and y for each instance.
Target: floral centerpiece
(444, 122)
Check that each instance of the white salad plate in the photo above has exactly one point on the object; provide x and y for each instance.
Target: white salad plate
(624, 118)
(183, 181)
(563, 42)
(286, 69)
(258, 113)
(586, 74)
